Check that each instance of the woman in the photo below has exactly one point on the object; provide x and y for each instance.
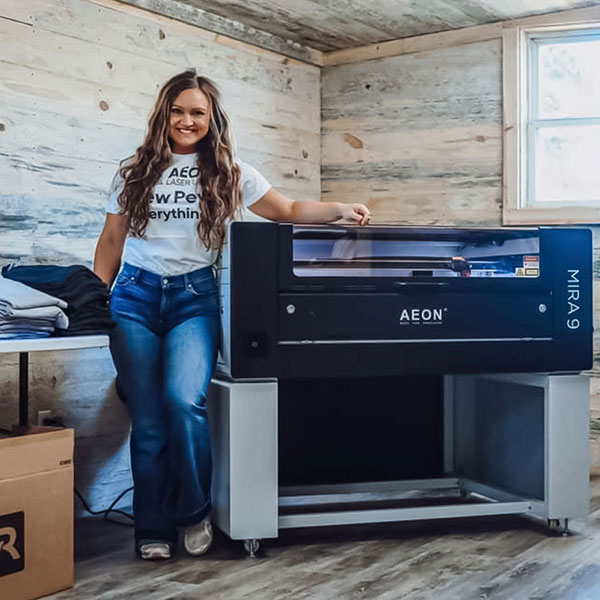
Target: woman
(166, 214)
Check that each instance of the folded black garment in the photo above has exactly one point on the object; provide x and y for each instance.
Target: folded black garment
(95, 321)
(90, 326)
(100, 297)
(75, 284)
(99, 310)
(78, 293)
(92, 317)
(85, 331)
(81, 288)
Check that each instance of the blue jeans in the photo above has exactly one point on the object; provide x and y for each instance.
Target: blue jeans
(164, 349)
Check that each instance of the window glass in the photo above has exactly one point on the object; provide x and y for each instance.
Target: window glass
(566, 164)
(383, 252)
(569, 79)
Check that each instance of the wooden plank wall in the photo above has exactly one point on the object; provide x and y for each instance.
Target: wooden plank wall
(418, 137)
(77, 80)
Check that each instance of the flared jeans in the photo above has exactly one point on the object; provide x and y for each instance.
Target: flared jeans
(164, 349)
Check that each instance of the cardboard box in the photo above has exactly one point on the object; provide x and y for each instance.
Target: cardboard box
(36, 513)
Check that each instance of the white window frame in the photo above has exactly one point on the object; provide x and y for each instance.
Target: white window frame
(517, 167)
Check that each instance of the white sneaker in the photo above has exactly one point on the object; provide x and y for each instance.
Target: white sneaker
(155, 551)
(198, 538)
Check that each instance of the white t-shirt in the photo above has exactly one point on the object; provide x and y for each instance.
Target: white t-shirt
(172, 245)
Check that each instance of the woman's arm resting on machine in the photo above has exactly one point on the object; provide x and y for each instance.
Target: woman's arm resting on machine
(277, 207)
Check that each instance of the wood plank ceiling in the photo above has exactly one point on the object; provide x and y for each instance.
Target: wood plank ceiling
(296, 27)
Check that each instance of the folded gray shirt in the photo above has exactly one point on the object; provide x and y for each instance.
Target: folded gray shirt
(54, 314)
(19, 295)
(20, 303)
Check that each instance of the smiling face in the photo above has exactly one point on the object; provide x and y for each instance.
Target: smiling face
(189, 120)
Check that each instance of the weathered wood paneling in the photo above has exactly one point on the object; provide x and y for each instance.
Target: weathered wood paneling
(77, 80)
(339, 24)
(417, 137)
(231, 27)
(455, 37)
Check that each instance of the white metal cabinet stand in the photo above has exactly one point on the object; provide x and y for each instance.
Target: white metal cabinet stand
(513, 444)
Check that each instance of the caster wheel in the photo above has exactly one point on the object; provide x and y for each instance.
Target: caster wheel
(251, 547)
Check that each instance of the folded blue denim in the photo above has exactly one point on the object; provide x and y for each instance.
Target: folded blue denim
(24, 335)
(164, 348)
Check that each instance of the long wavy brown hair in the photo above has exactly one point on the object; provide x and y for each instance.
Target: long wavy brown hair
(219, 180)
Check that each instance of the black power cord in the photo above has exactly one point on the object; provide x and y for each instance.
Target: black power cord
(57, 422)
(111, 509)
(106, 512)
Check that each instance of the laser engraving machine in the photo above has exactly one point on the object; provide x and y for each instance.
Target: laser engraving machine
(359, 364)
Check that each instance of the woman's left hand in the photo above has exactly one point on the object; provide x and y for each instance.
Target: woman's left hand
(276, 207)
(358, 213)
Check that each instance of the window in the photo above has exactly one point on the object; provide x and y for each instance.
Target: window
(552, 124)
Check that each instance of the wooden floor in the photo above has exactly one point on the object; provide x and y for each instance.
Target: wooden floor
(492, 558)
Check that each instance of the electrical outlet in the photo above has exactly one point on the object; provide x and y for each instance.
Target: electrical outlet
(43, 415)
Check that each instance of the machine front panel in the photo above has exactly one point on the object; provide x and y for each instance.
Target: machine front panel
(414, 316)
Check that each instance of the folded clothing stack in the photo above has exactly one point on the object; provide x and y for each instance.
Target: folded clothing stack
(85, 293)
(28, 313)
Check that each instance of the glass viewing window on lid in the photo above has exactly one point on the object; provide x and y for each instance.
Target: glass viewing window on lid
(413, 252)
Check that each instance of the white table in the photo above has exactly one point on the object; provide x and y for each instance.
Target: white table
(25, 346)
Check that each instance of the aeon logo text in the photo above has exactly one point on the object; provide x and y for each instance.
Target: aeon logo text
(422, 316)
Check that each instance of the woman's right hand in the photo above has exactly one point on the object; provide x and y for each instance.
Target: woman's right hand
(109, 249)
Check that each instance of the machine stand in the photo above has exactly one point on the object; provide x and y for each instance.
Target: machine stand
(512, 444)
